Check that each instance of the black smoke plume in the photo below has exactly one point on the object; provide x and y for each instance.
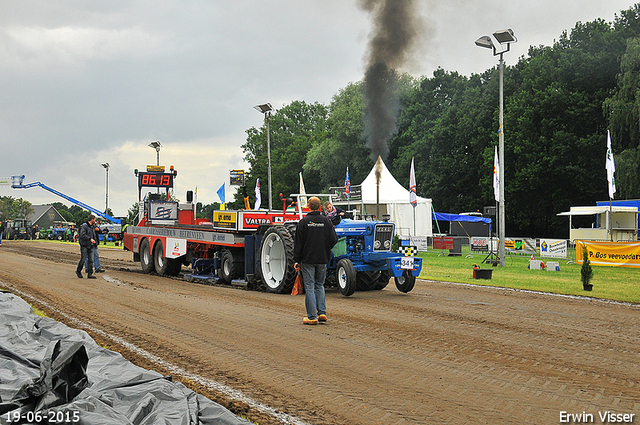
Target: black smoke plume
(396, 27)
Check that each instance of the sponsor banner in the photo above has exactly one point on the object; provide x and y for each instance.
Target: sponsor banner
(623, 254)
(442, 243)
(556, 248)
(175, 248)
(160, 210)
(520, 246)
(225, 220)
(222, 238)
(420, 242)
(253, 220)
(340, 193)
(236, 178)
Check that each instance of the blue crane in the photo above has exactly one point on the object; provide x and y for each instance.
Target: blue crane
(17, 183)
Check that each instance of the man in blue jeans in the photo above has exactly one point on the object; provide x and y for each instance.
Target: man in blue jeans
(315, 236)
(87, 239)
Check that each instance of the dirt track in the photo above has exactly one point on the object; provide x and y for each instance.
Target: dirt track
(443, 353)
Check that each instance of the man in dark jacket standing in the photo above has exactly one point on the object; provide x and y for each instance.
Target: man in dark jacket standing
(315, 236)
(87, 239)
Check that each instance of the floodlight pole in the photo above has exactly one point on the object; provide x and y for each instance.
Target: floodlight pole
(266, 110)
(267, 115)
(501, 217)
(106, 202)
(503, 37)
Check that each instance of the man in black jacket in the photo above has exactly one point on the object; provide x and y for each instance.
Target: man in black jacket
(315, 236)
(87, 239)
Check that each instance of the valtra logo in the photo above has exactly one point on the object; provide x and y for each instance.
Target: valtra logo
(252, 221)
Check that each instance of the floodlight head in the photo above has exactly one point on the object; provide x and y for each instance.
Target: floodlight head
(155, 145)
(505, 36)
(105, 165)
(263, 109)
(485, 41)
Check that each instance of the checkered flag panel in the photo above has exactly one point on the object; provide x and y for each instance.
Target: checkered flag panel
(408, 251)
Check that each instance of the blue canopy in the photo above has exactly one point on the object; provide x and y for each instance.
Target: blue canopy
(458, 217)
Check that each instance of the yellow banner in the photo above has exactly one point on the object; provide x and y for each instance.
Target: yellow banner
(623, 254)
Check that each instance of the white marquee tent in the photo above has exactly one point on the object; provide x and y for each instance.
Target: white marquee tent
(394, 200)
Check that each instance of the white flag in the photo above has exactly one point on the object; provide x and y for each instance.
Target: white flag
(611, 167)
(496, 176)
(258, 196)
(413, 196)
(303, 199)
(195, 201)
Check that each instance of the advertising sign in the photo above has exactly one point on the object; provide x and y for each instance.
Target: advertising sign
(442, 243)
(340, 193)
(236, 178)
(623, 254)
(251, 220)
(420, 242)
(480, 243)
(556, 248)
(225, 219)
(159, 210)
(175, 248)
(520, 246)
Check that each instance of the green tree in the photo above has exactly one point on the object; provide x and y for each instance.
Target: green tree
(206, 211)
(344, 145)
(294, 129)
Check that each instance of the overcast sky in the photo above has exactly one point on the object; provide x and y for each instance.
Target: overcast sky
(85, 82)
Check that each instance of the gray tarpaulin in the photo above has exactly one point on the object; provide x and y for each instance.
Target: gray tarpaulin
(49, 368)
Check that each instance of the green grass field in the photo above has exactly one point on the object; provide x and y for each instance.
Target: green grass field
(613, 283)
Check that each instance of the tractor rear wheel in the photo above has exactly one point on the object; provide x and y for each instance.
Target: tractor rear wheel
(383, 280)
(276, 260)
(406, 282)
(146, 260)
(346, 277)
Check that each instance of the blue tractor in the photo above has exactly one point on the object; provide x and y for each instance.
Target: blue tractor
(362, 259)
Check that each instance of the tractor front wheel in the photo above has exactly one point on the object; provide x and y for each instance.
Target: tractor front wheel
(406, 282)
(346, 277)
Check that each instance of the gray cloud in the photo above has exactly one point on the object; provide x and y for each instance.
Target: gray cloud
(89, 82)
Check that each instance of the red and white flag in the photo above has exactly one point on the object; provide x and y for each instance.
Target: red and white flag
(611, 167)
(413, 196)
(496, 176)
(258, 196)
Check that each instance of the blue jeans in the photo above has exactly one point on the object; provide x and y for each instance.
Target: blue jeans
(313, 277)
(96, 260)
(86, 253)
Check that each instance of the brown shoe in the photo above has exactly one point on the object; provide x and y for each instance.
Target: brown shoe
(322, 317)
(308, 321)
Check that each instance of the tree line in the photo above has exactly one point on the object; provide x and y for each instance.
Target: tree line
(559, 102)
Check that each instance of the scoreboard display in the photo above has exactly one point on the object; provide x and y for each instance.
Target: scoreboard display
(155, 180)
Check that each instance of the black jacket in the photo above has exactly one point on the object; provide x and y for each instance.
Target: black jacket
(315, 236)
(86, 234)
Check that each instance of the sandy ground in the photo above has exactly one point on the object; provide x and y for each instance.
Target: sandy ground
(443, 353)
